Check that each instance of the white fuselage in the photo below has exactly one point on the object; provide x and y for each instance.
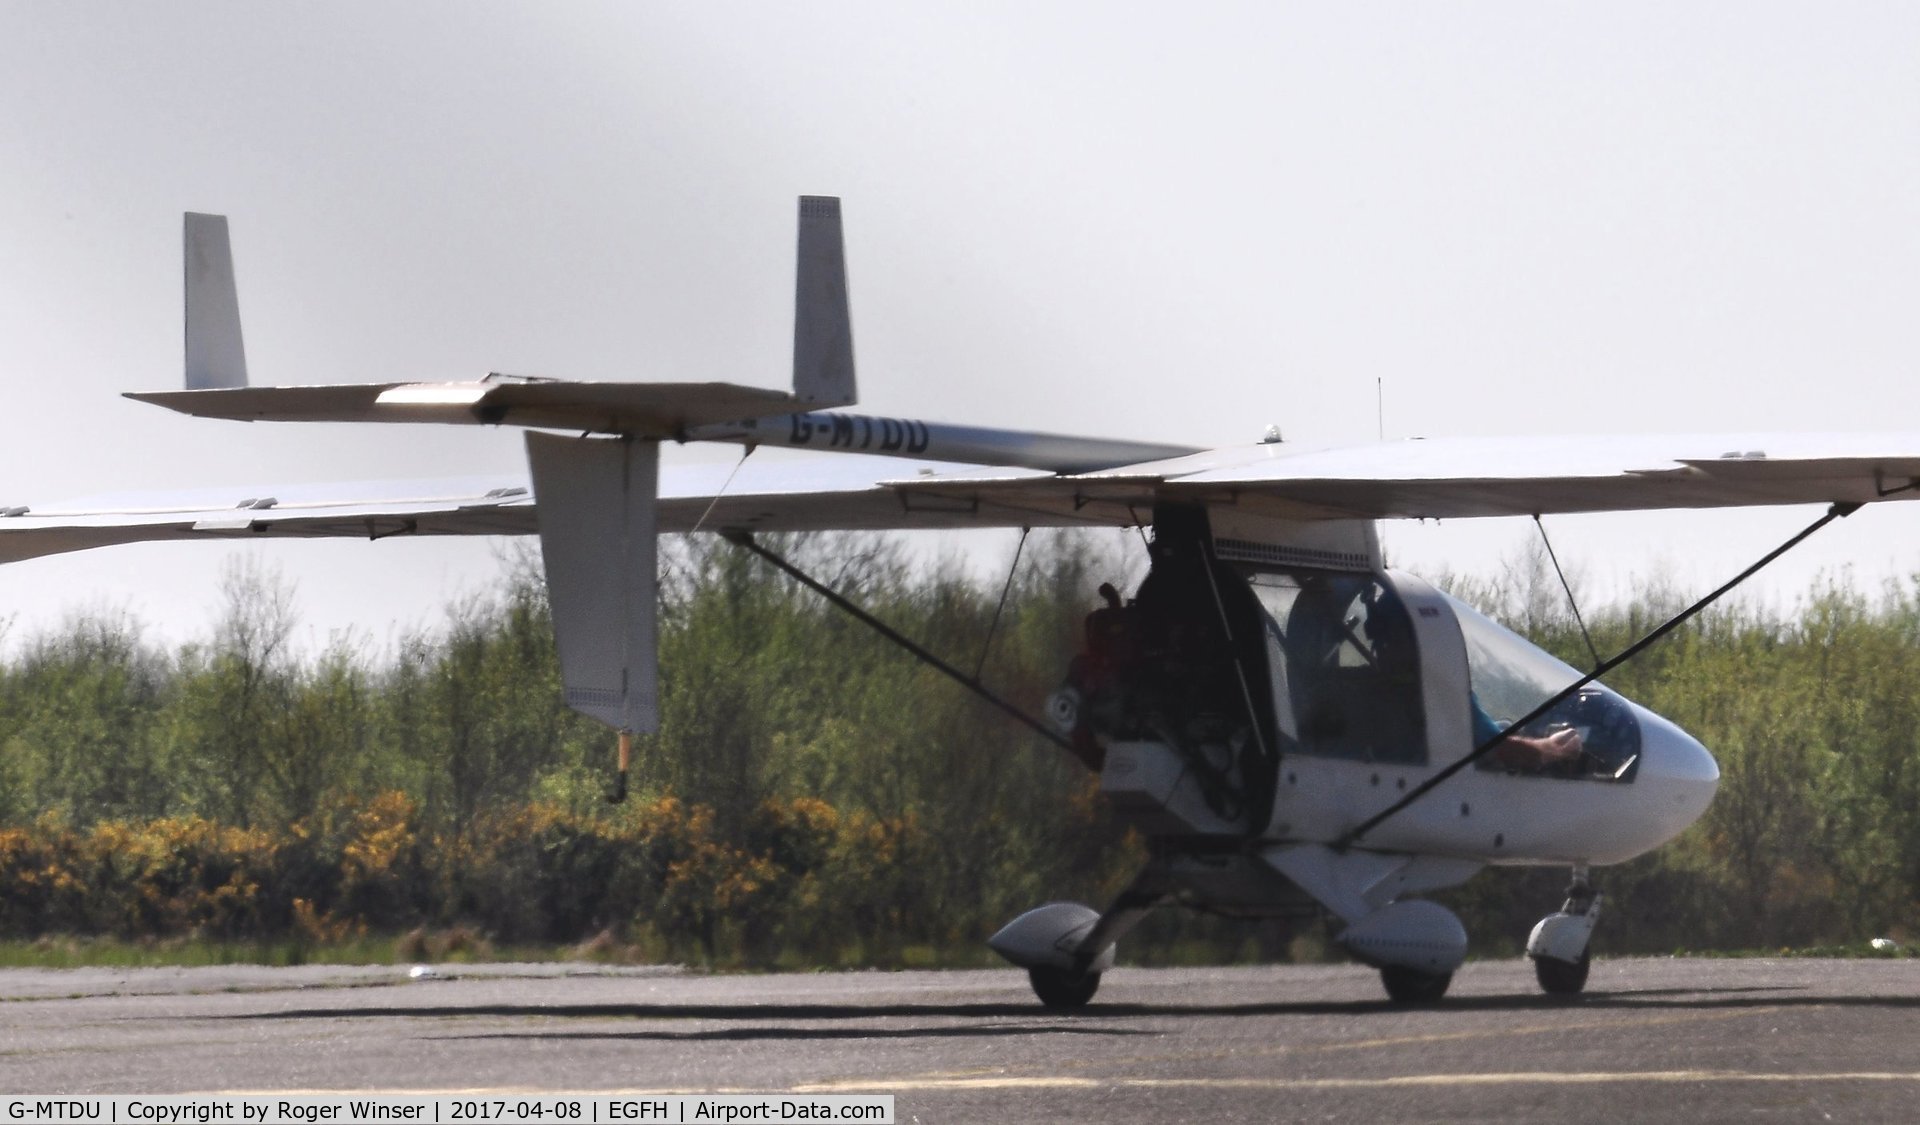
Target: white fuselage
(1503, 818)
(1495, 815)
(1607, 811)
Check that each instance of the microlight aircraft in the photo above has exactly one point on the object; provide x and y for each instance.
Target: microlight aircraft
(1291, 724)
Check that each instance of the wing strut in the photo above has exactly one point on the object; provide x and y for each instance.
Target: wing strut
(918, 651)
(1573, 603)
(1837, 511)
(993, 626)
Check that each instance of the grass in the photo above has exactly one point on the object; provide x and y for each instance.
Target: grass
(78, 952)
(441, 947)
(451, 945)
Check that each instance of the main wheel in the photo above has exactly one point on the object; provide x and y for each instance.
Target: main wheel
(1411, 986)
(1558, 978)
(1063, 988)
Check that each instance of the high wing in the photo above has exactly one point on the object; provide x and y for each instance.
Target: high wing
(1429, 479)
(853, 492)
(1492, 476)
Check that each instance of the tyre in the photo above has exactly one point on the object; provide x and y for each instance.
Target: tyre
(1411, 986)
(1063, 988)
(1558, 978)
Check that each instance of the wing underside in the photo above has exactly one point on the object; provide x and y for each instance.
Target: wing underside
(1410, 480)
(835, 493)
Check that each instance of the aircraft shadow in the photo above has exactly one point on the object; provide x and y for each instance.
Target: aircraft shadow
(755, 1034)
(1035, 1020)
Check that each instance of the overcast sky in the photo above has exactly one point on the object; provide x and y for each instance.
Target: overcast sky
(1121, 219)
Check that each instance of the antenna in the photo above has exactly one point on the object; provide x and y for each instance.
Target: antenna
(1379, 409)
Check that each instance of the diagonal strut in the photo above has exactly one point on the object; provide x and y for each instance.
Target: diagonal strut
(971, 683)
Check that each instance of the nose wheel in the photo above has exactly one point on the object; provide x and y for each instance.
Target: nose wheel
(1558, 978)
(1561, 944)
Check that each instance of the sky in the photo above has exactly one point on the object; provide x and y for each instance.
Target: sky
(1134, 220)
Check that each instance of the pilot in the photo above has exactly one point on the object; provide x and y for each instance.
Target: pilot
(1110, 667)
(1110, 635)
(1524, 752)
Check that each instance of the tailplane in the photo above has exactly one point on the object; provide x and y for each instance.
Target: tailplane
(217, 384)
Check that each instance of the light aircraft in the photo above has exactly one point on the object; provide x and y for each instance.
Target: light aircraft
(1291, 724)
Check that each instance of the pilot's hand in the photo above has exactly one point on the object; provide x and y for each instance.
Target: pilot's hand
(1561, 745)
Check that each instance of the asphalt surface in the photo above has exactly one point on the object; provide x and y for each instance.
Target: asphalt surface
(1654, 1039)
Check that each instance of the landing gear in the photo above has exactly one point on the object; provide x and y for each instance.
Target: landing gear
(1416, 944)
(1063, 989)
(1411, 986)
(1064, 946)
(1561, 944)
(1557, 978)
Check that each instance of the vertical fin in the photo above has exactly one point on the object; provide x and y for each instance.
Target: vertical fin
(215, 356)
(597, 526)
(822, 327)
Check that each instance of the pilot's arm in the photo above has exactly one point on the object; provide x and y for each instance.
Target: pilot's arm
(1485, 730)
(1519, 751)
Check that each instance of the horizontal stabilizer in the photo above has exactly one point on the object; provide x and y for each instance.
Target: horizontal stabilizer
(651, 410)
(217, 387)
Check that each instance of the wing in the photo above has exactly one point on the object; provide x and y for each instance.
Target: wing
(360, 510)
(852, 492)
(1466, 477)
(1437, 479)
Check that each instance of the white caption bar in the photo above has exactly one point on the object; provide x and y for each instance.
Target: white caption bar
(387, 1109)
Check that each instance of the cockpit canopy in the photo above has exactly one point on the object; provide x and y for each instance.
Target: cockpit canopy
(1236, 662)
(1510, 676)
